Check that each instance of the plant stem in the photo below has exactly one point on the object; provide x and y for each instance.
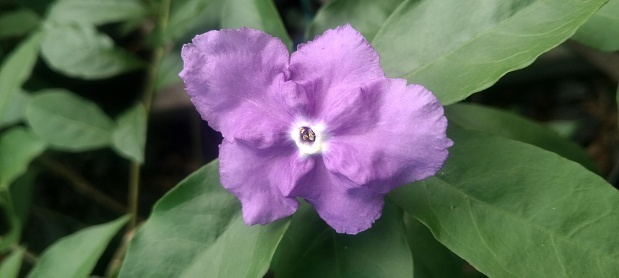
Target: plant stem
(149, 91)
(80, 184)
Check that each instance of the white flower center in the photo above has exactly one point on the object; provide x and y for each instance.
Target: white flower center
(309, 138)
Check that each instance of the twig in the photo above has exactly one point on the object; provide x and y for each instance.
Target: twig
(149, 91)
(81, 185)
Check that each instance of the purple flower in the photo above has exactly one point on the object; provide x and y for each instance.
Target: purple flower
(324, 124)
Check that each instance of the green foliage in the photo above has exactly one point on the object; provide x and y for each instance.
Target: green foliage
(512, 126)
(256, 14)
(499, 205)
(15, 109)
(17, 23)
(431, 258)
(192, 226)
(184, 16)
(18, 147)
(95, 12)
(76, 255)
(601, 31)
(68, 122)
(510, 200)
(129, 137)
(367, 16)
(455, 56)
(81, 51)
(11, 264)
(310, 248)
(16, 68)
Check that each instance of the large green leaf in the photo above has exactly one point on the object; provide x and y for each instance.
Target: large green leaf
(431, 258)
(602, 29)
(367, 16)
(11, 264)
(18, 23)
(76, 255)
(310, 248)
(18, 147)
(456, 48)
(10, 236)
(129, 136)
(494, 121)
(16, 68)
(514, 210)
(78, 50)
(95, 11)
(196, 230)
(256, 14)
(68, 122)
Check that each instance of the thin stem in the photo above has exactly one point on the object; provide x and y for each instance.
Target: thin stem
(28, 256)
(149, 91)
(81, 185)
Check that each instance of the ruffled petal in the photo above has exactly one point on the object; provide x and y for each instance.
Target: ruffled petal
(394, 134)
(238, 81)
(346, 208)
(259, 176)
(340, 59)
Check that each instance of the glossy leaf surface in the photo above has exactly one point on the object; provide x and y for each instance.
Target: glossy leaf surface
(601, 31)
(512, 126)
(196, 230)
(311, 248)
(514, 210)
(435, 44)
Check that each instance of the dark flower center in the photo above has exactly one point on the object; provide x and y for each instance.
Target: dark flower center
(306, 134)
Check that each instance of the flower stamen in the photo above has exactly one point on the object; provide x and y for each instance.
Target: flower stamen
(307, 134)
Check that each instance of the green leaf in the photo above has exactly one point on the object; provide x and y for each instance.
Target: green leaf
(95, 12)
(310, 248)
(80, 51)
(256, 14)
(76, 255)
(167, 74)
(514, 210)
(366, 16)
(18, 23)
(185, 15)
(436, 44)
(18, 147)
(11, 264)
(601, 31)
(196, 230)
(11, 236)
(129, 137)
(16, 68)
(15, 204)
(68, 122)
(431, 258)
(512, 126)
(15, 109)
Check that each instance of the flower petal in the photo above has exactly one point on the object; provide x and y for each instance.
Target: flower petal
(403, 136)
(238, 81)
(345, 208)
(258, 176)
(340, 59)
